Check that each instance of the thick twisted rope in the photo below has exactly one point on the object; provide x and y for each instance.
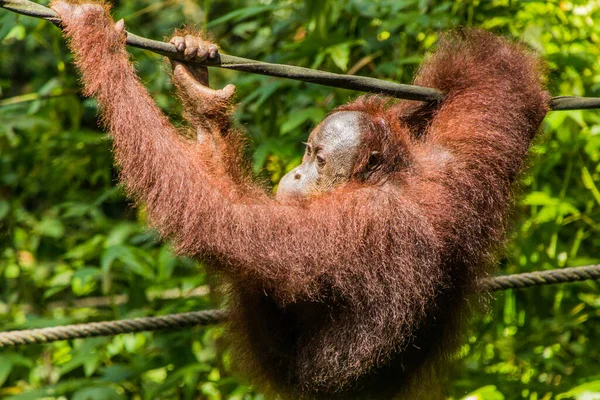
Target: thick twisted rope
(109, 328)
(189, 319)
(360, 83)
(553, 276)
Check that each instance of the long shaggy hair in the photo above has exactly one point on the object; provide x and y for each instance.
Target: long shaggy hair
(357, 292)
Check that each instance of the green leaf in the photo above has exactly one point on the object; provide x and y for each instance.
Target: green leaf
(296, 119)
(119, 373)
(340, 54)
(17, 33)
(98, 393)
(262, 94)
(50, 227)
(88, 249)
(84, 280)
(589, 184)
(539, 199)
(120, 233)
(9, 360)
(5, 368)
(587, 391)
(165, 263)
(489, 392)
(134, 259)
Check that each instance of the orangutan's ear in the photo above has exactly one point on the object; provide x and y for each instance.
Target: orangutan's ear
(374, 162)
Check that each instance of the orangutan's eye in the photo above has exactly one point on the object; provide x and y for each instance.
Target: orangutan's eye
(321, 161)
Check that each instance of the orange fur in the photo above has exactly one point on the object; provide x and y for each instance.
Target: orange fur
(356, 292)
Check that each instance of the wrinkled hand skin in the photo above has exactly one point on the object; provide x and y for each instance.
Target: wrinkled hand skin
(192, 79)
(207, 109)
(73, 12)
(195, 48)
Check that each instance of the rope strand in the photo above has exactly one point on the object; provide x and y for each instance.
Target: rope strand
(110, 328)
(209, 317)
(537, 278)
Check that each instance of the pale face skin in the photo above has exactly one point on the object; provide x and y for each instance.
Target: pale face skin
(331, 152)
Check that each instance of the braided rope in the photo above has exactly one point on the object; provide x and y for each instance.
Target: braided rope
(553, 276)
(109, 328)
(209, 317)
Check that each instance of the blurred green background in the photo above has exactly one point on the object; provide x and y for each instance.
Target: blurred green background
(72, 249)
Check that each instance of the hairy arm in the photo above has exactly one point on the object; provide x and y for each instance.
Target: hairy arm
(346, 239)
(495, 99)
(208, 111)
(482, 130)
(291, 248)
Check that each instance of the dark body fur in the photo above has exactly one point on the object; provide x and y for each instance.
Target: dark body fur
(355, 292)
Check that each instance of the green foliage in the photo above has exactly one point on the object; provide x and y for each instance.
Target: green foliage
(72, 249)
